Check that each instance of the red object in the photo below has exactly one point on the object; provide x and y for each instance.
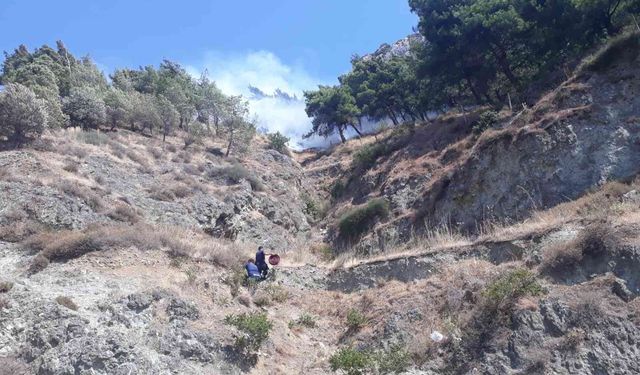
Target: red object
(274, 259)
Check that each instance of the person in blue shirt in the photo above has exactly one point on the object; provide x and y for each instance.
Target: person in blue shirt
(252, 270)
(261, 262)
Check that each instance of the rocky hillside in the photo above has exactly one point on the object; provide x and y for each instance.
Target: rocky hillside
(446, 173)
(494, 243)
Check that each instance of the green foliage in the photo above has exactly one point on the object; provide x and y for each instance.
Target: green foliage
(22, 114)
(352, 361)
(356, 320)
(486, 120)
(254, 330)
(358, 220)
(278, 142)
(333, 109)
(394, 361)
(237, 172)
(85, 108)
(511, 286)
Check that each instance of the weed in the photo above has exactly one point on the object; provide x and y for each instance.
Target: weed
(352, 361)
(356, 320)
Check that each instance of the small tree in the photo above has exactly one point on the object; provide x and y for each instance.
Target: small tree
(239, 130)
(85, 108)
(278, 142)
(22, 114)
(168, 115)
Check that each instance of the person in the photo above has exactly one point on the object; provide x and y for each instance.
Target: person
(261, 262)
(252, 270)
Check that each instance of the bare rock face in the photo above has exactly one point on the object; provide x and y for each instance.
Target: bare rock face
(590, 135)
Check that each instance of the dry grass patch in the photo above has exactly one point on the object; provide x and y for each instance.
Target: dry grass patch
(70, 166)
(179, 242)
(92, 199)
(596, 239)
(124, 213)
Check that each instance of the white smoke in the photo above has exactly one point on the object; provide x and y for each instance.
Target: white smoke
(274, 90)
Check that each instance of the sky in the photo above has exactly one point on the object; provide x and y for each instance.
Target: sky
(291, 45)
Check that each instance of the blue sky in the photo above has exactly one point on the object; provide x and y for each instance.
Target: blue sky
(291, 44)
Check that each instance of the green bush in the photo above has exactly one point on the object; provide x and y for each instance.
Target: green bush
(278, 142)
(254, 328)
(511, 286)
(358, 220)
(236, 172)
(486, 120)
(394, 361)
(356, 320)
(351, 361)
(367, 155)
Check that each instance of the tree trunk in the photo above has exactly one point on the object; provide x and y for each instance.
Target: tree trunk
(342, 137)
(473, 90)
(357, 131)
(501, 57)
(230, 144)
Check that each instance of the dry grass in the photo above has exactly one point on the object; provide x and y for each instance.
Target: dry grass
(596, 239)
(179, 242)
(171, 191)
(67, 302)
(124, 213)
(92, 199)
(71, 166)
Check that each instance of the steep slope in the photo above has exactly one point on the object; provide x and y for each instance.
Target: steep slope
(442, 174)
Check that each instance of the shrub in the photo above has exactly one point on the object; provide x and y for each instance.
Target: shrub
(358, 220)
(92, 199)
(351, 361)
(276, 293)
(5, 286)
(305, 320)
(93, 137)
(487, 120)
(4, 303)
(22, 115)
(506, 289)
(356, 320)
(237, 172)
(39, 263)
(394, 361)
(313, 208)
(254, 329)
(234, 280)
(71, 166)
(366, 156)
(67, 302)
(124, 213)
(278, 142)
